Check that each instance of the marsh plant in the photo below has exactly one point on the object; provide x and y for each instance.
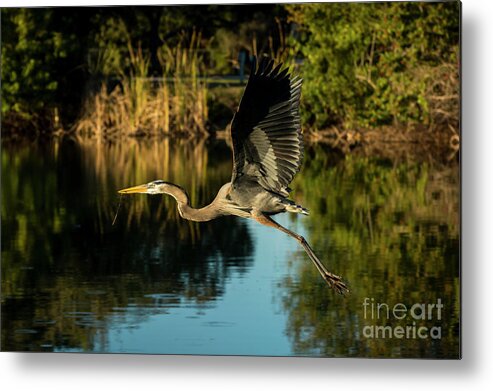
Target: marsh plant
(175, 102)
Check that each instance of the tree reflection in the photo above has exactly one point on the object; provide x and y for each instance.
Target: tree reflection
(65, 267)
(392, 230)
(389, 226)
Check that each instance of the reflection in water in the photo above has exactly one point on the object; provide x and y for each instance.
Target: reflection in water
(154, 283)
(392, 230)
(65, 264)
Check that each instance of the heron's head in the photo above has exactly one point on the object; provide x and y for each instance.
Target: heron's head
(159, 187)
(154, 187)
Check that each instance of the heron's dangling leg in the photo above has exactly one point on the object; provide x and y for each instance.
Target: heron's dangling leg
(333, 280)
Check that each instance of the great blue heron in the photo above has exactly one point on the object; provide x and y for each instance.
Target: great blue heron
(267, 154)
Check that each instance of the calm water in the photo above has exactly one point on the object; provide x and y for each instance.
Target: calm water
(153, 283)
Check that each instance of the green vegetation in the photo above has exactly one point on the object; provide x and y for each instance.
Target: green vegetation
(61, 64)
(364, 64)
(40, 55)
(371, 64)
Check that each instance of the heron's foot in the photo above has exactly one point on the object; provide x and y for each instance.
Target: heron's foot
(336, 283)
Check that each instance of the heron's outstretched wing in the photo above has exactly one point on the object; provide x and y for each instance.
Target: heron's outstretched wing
(266, 129)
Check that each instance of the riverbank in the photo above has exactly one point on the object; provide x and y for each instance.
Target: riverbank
(419, 144)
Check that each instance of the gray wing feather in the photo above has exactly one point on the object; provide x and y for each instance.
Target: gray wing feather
(266, 129)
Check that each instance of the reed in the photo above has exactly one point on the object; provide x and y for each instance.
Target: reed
(175, 103)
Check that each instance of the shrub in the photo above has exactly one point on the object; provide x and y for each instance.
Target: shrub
(369, 64)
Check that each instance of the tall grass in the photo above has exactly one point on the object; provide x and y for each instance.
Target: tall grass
(183, 65)
(175, 103)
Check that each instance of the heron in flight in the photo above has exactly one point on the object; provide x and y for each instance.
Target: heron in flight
(267, 154)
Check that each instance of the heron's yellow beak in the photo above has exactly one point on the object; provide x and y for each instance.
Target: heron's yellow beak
(135, 189)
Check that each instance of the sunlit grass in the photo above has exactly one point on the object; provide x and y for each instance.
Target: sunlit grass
(175, 103)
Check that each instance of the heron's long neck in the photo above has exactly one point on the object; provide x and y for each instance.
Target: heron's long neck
(206, 213)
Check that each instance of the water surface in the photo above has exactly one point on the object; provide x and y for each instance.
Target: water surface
(154, 283)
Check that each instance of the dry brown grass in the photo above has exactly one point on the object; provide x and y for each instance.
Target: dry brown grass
(175, 104)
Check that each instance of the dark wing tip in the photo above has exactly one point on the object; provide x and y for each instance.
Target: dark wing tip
(266, 68)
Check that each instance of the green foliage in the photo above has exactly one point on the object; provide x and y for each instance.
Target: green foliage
(107, 57)
(52, 57)
(36, 50)
(43, 52)
(367, 64)
(364, 64)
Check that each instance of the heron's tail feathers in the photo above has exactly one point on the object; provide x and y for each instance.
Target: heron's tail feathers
(294, 208)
